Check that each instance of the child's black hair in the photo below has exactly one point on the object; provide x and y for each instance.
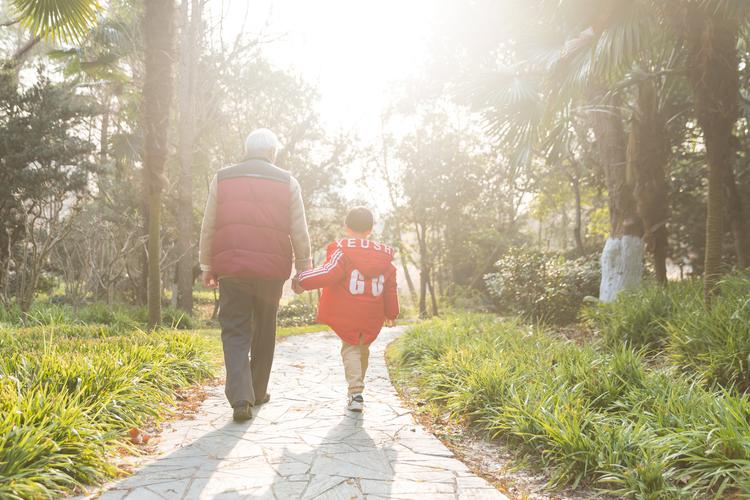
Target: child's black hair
(359, 219)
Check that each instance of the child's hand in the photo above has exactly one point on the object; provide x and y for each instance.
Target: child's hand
(296, 287)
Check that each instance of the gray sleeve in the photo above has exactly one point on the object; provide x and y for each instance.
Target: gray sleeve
(208, 226)
(298, 228)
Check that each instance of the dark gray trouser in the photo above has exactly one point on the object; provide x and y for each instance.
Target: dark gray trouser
(247, 314)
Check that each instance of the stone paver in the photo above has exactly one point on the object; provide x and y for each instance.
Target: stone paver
(304, 443)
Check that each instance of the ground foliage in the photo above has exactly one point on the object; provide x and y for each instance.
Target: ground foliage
(69, 395)
(588, 415)
(713, 342)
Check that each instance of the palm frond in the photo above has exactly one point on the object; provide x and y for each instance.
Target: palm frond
(57, 19)
(512, 108)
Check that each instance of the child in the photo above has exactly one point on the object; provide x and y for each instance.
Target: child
(359, 295)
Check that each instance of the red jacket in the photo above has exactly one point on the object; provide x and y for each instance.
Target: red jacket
(359, 288)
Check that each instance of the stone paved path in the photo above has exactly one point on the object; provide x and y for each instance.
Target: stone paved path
(304, 443)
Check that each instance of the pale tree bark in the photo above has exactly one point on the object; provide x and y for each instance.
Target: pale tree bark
(158, 33)
(190, 13)
(622, 256)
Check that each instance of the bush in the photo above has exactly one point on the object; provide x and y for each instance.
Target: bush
(297, 313)
(176, 319)
(70, 393)
(600, 418)
(542, 286)
(639, 318)
(715, 341)
(712, 342)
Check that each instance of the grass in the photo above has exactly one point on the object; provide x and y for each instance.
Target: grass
(672, 322)
(118, 316)
(600, 417)
(70, 393)
(74, 382)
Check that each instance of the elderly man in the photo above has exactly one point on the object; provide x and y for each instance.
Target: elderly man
(253, 228)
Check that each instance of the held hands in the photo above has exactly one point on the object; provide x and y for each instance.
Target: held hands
(296, 287)
(209, 280)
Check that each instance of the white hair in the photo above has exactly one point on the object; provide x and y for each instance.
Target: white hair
(262, 143)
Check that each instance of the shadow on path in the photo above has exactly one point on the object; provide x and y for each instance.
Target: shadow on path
(346, 463)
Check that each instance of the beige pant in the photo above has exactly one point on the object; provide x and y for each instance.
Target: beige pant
(356, 358)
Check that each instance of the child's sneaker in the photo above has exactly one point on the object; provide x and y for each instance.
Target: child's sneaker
(356, 403)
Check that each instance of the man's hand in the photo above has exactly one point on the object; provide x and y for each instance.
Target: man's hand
(390, 323)
(209, 280)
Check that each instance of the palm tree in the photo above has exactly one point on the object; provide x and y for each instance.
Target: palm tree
(64, 19)
(710, 33)
(617, 36)
(706, 33)
(158, 32)
(564, 90)
(67, 20)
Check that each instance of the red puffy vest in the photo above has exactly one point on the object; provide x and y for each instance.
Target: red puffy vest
(359, 288)
(251, 233)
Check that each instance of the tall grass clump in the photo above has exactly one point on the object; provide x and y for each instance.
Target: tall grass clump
(605, 418)
(711, 342)
(70, 393)
(714, 341)
(639, 318)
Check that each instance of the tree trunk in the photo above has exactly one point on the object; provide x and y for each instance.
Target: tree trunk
(407, 276)
(433, 296)
(424, 271)
(648, 153)
(104, 135)
(711, 36)
(622, 257)
(575, 183)
(157, 95)
(185, 250)
(622, 266)
(423, 293)
(737, 220)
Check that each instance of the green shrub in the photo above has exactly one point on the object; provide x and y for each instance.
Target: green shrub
(715, 341)
(639, 318)
(297, 313)
(176, 319)
(605, 419)
(542, 286)
(711, 342)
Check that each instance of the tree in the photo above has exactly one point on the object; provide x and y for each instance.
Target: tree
(158, 32)
(190, 16)
(710, 31)
(44, 172)
(52, 19)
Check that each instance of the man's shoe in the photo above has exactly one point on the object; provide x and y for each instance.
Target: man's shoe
(356, 403)
(242, 411)
(263, 401)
